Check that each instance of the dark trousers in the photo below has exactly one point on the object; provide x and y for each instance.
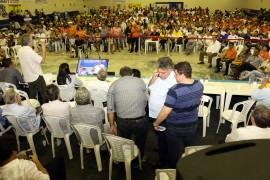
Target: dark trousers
(105, 44)
(210, 57)
(174, 139)
(244, 67)
(138, 128)
(38, 87)
(77, 49)
(134, 41)
(228, 62)
(56, 169)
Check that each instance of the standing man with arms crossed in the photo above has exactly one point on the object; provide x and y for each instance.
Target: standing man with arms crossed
(161, 81)
(30, 63)
(179, 113)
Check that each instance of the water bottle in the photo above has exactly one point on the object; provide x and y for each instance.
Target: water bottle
(251, 80)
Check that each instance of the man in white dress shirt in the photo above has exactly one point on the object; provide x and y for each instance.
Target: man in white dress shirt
(30, 63)
(260, 120)
(13, 107)
(100, 83)
(211, 51)
(159, 84)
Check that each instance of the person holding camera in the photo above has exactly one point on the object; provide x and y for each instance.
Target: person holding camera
(11, 167)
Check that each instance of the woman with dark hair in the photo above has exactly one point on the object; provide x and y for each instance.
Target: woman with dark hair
(54, 107)
(67, 82)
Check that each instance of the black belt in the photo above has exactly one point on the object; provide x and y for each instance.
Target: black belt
(130, 119)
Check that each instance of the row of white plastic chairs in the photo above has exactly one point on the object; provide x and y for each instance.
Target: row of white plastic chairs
(14, 50)
(120, 149)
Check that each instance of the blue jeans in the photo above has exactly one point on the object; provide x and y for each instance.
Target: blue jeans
(138, 128)
(173, 141)
(253, 74)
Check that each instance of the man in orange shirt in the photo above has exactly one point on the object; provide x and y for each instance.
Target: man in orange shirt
(135, 32)
(228, 56)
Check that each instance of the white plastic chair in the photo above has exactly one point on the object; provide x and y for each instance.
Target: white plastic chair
(165, 174)
(236, 117)
(100, 97)
(59, 127)
(64, 94)
(28, 102)
(204, 111)
(6, 49)
(192, 149)
(122, 150)
(86, 135)
(20, 130)
(239, 48)
(15, 50)
(179, 47)
(6, 85)
(146, 43)
(3, 130)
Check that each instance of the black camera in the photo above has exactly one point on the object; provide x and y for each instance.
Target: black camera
(28, 153)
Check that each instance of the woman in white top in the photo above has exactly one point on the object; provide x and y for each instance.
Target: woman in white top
(66, 82)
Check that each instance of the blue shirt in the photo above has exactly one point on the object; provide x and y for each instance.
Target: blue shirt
(184, 100)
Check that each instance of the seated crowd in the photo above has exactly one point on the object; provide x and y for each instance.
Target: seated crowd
(174, 96)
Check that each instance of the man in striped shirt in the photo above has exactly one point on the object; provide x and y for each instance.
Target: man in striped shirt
(180, 113)
(127, 98)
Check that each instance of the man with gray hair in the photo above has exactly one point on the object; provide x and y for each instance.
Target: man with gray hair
(101, 83)
(30, 63)
(161, 81)
(85, 112)
(127, 98)
(260, 120)
(159, 84)
(13, 107)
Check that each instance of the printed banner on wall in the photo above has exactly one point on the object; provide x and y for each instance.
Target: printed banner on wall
(15, 7)
(14, 1)
(135, 5)
(119, 1)
(40, 1)
(3, 1)
(159, 5)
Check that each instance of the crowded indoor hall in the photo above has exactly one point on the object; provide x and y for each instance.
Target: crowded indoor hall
(69, 107)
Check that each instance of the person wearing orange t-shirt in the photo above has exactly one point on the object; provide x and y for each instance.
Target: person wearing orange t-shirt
(135, 30)
(264, 52)
(228, 56)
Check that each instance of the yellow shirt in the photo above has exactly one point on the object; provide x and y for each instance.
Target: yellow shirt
(178, 33)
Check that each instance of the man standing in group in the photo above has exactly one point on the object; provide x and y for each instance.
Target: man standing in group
(127, 98)
(30, 63)
(135, 33)
(179, 113)
(211, 51)
(161, 81)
